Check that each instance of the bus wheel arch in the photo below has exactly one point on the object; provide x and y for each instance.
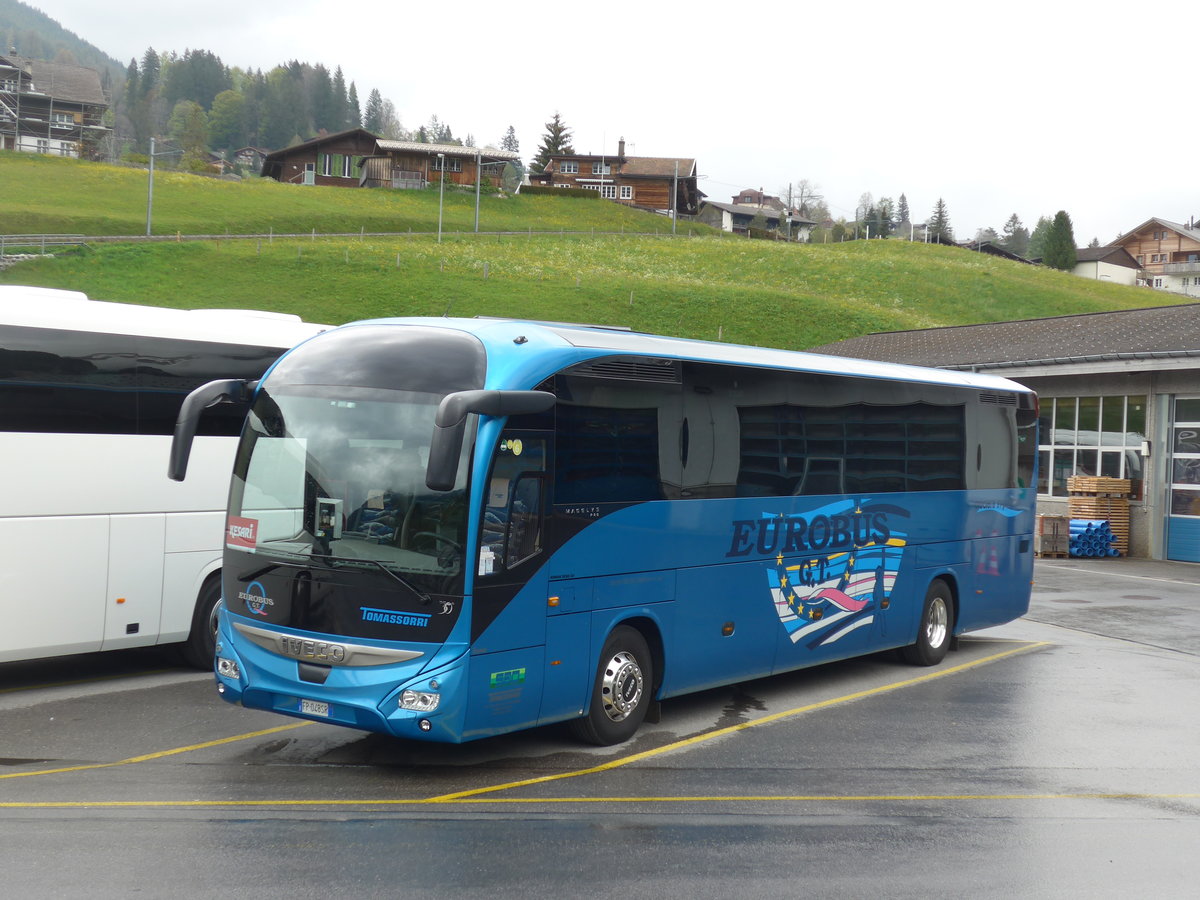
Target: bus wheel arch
(199, 648)
(935, 632)
(623, 688)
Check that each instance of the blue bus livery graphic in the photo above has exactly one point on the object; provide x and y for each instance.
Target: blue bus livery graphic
(391, 617)
(824, 598)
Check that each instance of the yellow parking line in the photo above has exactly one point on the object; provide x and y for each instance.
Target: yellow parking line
(159, 754)
(742, 726)
(530, 801)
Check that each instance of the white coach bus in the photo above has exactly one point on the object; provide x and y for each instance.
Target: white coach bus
(102, 550)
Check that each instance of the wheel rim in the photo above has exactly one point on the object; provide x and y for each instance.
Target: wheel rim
(214, 618)
(621, 686)
(938, 624)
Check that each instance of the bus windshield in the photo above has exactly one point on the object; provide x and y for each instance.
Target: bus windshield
(335, 477)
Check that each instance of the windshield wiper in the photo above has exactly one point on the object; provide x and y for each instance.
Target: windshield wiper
(335, 561)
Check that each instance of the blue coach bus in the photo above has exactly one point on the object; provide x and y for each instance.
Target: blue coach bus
(448, 529)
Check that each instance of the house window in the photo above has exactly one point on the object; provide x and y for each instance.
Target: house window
(43, 145)
(1158, 282)
(326, 161)
(627, 192)
(608, 191)
(451, 164)
(1090, 436)
(568, 167)
(347, 166)
(601, 168)
(8, 84)
(1141, 259)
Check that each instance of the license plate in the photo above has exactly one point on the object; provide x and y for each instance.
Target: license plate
(314, 708)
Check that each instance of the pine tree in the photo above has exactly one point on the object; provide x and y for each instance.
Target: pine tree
(373, 114)
(902, 214)
(1037, 240)
(939, 224)
(353, 110)
(509, 141)
(339, 98)
(1016, 236)
(556, 141)
(1060, 243)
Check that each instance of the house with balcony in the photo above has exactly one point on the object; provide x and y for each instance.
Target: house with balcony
(50, 108)
(357, 158)
(412, 164)
(662, 184)
(1168, 254)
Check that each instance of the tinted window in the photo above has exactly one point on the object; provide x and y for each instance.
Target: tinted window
(79, 382)
(611, 445)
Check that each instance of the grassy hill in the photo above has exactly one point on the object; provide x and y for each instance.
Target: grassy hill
(706, 286)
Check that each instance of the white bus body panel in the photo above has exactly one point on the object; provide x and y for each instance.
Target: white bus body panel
(89, 520)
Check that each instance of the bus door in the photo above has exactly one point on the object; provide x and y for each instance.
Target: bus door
(508, 627)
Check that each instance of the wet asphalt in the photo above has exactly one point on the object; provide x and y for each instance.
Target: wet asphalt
(1057, 756)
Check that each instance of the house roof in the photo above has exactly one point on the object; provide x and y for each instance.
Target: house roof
(317, 141)
(741, 209)
(657, 167)
(77, 84)
(1113, 255)
(1193, 233)
(640, 166)
(1153, 332)
(447, 149)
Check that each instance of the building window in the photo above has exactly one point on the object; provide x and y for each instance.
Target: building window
(451, 164)
(326, 164)
(1141, 260)
(568, 167)
(608, 191)
(1090, 436)
(627, 192)
(1158, 282)
(1185, 458)
(347, 166)
(601, 168)
(43, 145)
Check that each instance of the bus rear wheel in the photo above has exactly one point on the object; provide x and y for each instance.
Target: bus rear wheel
(198, 650)
(621, 692)
(937, 625)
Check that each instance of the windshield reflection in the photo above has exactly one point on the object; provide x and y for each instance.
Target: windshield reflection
(340, 481)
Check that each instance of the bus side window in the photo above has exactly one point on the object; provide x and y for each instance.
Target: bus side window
(511, 531)
(524, 537)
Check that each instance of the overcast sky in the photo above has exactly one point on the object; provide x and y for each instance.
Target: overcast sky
(1018, 106)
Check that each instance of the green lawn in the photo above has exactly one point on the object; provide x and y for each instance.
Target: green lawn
(710, 286)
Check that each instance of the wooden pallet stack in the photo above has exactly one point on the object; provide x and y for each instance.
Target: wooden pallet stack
(1096, 497)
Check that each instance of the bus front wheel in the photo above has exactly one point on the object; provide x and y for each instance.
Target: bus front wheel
(937, 625)
(199, 648)
(621, 692)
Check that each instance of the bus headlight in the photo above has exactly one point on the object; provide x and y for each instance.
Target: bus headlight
(420, 701)
(228, 668)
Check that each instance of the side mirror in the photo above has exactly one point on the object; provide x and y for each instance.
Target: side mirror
(450, 424)
(225, 390)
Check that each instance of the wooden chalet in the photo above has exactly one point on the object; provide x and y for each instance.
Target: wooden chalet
(1168, 254)
(333, 160)
(51, 108)
(662, 184)
(412, 164)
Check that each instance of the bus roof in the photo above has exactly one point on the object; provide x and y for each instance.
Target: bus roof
(578, 343)
(38, 307)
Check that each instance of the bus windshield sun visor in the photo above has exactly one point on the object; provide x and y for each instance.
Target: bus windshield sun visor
(450, 424)
(223, 390)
